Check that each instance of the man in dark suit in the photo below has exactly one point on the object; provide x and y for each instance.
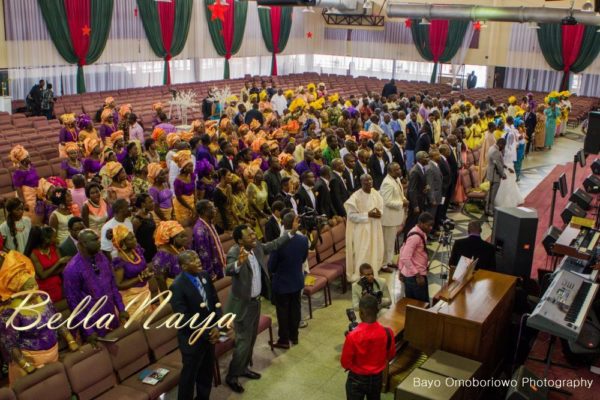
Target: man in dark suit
(273, 180)
(378, 163)
(530, 122)
(273, 224)
(337, 187)
(474, 247)
(398, 155)
(227, 159)
(417, 191)
(306, 196)
(412, 134)
(286, 196)
(254, 114)
(447, 182)
(348, 174)
(69, 246)
(190, 289)
(249, 281)
(286, 268)
(424, 140)
(361, 167)
(322, 193)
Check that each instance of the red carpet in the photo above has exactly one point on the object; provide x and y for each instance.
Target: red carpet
(557, 372)
(541, 199)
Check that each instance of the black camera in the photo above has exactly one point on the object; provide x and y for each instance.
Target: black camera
(369, 288)
(352, 317)
(310, 221)
(448, 225)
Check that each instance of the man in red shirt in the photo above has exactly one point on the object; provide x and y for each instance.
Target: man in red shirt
(366, 352)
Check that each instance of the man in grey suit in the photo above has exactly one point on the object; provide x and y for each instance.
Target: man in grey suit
(417, 191)
(250, 280)
(434, 179)
(494, 173)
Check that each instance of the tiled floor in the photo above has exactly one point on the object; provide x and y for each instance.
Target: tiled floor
(311, 370)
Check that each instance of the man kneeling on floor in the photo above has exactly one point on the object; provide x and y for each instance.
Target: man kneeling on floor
(369, 284)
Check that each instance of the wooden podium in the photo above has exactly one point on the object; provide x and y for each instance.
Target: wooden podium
(473, 325)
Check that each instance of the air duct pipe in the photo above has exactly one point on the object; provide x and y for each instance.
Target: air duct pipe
(342, 5)
(481, 13)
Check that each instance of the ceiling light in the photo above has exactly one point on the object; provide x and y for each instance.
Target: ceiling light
(533, 25)
(588, 7)
(424, 21)
(308, 10)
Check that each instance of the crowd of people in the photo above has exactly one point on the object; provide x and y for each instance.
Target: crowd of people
(121, 219)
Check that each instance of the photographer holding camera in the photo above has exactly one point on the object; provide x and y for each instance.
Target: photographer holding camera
(369, 284)
(366, 352)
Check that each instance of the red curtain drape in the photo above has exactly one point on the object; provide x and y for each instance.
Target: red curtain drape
(572, 37)
(78, 18)
(275, 29)
(228, 28)
(438, 34)
(166, 15)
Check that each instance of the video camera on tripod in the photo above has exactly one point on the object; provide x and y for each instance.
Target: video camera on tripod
(311, 221)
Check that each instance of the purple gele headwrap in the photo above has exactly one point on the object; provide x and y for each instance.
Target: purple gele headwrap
(83, 121)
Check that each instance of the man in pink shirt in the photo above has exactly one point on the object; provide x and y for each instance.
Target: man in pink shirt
(413, 260)
(136, 132)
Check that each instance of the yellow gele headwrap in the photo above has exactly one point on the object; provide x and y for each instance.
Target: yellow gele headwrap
(165, 231)
(18, 154)
(106, 114)
(182, 157)
(109, 100)
(565, 93)
(224, 122)
(68, 118)
(311, 87)
(119, 233)
(232, 99)
(89, 144)
(157, 106)
(288, 94)
(186, 136)
(257, 144)
(153, 171)
(512, 100)
(14, 272)
(124, 110)
(285, 158)
(318, 104)
(253, 97)
(254, 124)
(112, 168)
(116, 135)
(297, 103)
(71, 146)
(334, 97)
(262, 96)
(172, 139)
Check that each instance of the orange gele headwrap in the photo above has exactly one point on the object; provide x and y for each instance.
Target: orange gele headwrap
(119, 233)
(106, 113)
(272, 144)
(109, 100)
(257, 144)
(89, 144)
(365, 135)
(224, 122)
(157, 106)
(71, 146)
(165, 231)
(124, 109)
(253, 168)
(18, 154)
(157, 133)
(293, 126)
(153, 171)
(278, 134)
(186, 136)
(285, 158)
(254, 124)
(182, 157)
(313, 144)
(112, 168)
(196, 124)
(172, 139)
(68, 118)
(116, 135)
(14, 272)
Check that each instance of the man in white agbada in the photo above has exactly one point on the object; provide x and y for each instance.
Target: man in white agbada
(364, 232)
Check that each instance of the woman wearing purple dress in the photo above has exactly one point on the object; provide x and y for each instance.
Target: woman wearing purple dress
(184, 187)
(170, 239)
(108, 124)
(29, 349)
(68, 133)
(92, 163)
(132, 273)
(25, 179)
(71, 166)
(160, 193)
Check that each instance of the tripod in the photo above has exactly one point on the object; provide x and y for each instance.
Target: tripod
(444, 244)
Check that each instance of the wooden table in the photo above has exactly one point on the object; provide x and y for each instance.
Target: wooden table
(473, 325)
(395, 317)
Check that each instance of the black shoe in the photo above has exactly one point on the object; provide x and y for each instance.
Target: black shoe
(234, 385)
(294, 341)
(251, 374)
(281, 345)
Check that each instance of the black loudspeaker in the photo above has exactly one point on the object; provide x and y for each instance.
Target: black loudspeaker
(527, 386)
(592, 184)
(570, 211)
(596, 166)
(514, 239)
(581, 198)
(591, 144)
(550, 237)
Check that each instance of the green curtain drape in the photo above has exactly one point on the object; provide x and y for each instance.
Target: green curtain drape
(285, 27)
(550, 40)
(456, 34)
(225, 44)
(55, 17)
(151, 21)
